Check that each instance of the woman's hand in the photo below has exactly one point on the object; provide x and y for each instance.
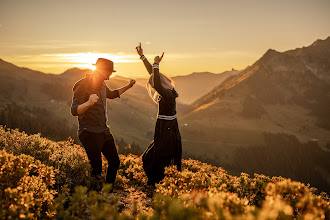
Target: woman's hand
(139, 50)
(158, 59)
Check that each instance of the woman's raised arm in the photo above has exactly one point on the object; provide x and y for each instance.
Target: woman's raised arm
(165, 93)
(146, 63)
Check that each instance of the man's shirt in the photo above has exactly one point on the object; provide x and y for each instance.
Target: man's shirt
(94, 119)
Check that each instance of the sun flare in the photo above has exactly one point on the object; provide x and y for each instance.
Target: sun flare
(86, 60)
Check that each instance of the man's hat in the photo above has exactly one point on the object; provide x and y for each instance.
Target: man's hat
(104, 64)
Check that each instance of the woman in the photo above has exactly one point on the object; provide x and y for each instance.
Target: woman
(166, 149)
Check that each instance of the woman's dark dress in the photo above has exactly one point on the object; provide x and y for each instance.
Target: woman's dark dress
(166, 149)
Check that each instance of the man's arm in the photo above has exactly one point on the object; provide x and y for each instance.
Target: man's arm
(91, 101)
(128, 86)
(146, 63)
(116, 93)
(78, 106)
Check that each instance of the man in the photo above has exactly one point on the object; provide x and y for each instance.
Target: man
(89, 104)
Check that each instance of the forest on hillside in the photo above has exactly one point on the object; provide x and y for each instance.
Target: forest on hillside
(286, 156)
(33, 120)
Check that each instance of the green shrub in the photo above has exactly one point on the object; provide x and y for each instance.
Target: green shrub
(70, 159)
(87, 205)
(26, 187)
(31, 188)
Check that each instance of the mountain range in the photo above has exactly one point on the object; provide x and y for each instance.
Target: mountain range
(283, 94)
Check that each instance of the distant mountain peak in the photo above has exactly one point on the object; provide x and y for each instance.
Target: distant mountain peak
(75, 72)
(269, 56)
(5, 64)
(271, 52)
(75, 69)
(320, 42)
(202, 73)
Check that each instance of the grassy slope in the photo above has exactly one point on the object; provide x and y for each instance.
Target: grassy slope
(200, 191)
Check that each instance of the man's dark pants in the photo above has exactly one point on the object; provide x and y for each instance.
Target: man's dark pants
(97, 143)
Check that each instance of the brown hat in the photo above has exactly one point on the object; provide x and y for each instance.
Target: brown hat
(104, 64)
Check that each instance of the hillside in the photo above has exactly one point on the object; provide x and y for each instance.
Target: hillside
(279, 93)
(44, 179)
(316, 58)
(195, 85)
(278, 100)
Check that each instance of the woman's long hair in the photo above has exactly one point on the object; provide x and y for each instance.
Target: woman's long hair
(166, 82)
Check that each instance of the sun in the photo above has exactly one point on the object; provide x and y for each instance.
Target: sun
(86, 60)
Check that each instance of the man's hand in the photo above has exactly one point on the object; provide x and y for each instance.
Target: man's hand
(92, 99)
(128, 86)
(158, 59)
(139, 50)
(131, 83)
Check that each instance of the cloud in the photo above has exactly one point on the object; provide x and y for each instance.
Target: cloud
(58, 45)
(92, 57)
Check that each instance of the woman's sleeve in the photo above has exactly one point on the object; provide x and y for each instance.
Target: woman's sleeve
(165, 93)
(146, 64)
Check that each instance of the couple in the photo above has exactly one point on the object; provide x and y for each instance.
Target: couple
(89, 104)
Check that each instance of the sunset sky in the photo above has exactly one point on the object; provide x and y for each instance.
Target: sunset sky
(209, 35)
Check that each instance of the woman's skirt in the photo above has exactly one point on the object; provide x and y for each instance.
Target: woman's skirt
(164, 150)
